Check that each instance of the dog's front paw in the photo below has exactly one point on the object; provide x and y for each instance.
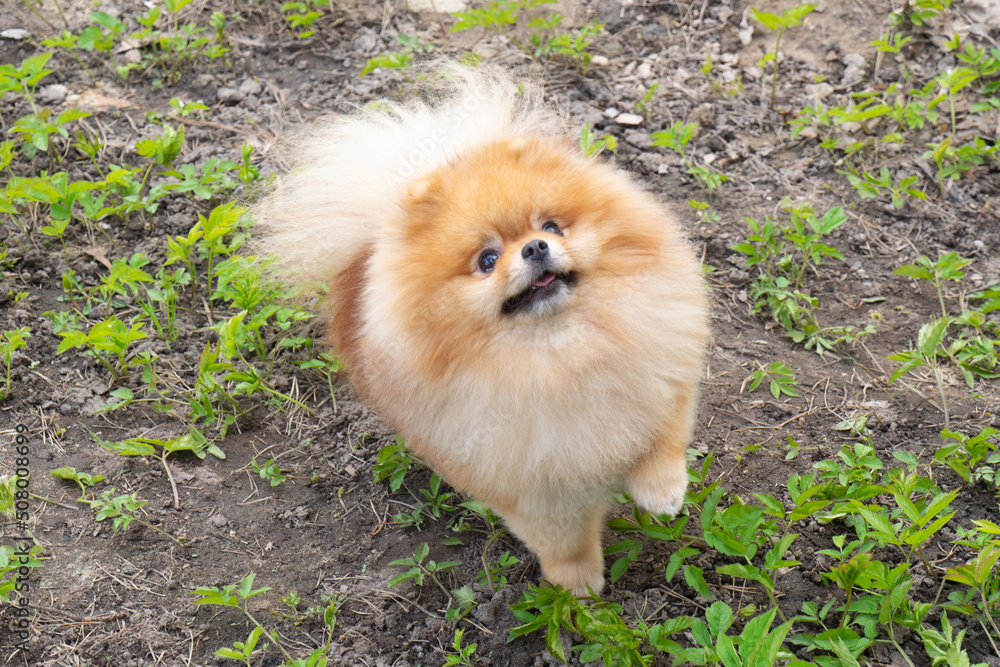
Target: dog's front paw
(583, 575)
(661, 493)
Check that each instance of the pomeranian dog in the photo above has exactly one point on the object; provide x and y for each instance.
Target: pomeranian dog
(528, 318)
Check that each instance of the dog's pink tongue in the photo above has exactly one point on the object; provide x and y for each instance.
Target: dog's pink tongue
(544, 280)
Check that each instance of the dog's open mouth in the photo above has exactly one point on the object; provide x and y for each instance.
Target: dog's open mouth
(545, 287)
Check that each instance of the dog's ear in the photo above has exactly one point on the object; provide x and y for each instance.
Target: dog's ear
(423, 200)
(423, 192)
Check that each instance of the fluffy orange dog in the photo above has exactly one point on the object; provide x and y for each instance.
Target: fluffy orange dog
(529, 319)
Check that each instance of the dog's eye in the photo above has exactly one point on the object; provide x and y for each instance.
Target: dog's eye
(552, 228)
(488, 260)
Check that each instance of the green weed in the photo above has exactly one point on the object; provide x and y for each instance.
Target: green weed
(676, 137)
(778, 24)
(11, 342)
(82, 479)
(779, 376)
(419, 568)
(269, 472)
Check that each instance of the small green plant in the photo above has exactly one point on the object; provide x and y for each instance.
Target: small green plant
(927, 352)
(248, 173)
(269, 472)
(953, 162)
(644, 105)
(436, 500)
(83, 480)
(780, 377)
(301, 15)
(778, 24)
(783, 256)
(501, 17)
(727, 88)
(399, 60)
(418, 569)
(15, 567)
(919, 12)
(464, 599)
(870, 186)
(704, 212)
(497, 574)
(109, 342)
(244, 650)
(981, 576)
(570, 45)
(592, 145)
(973, 458)
(238, 596)
(945, 648)
(676, 138)
(193, 441)
(122, 510)
(38, 130)
(393, 463)
(23, 79)
(11, 342)
(462, 656)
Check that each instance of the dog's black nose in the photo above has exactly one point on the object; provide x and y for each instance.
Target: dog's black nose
(536, 250)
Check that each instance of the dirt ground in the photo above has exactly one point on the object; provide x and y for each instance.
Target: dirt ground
(124, 600)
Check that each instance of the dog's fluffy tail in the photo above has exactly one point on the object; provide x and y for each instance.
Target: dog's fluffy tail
(350, 175)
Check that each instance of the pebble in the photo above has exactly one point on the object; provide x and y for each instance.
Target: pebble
(219, 520)
(15, 33)
(230, 95)
(611, 112)
(644, 71)
(53, 94)
(856, 67)
(251, 86)
(599, 61)
(629, 119)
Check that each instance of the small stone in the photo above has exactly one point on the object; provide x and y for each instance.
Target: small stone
(15, 33)
(132, 56)
(53, 94)
(219, 520)
(229, 96)
(251, 86)
(611, 112)
(599, 61)
(856, 67)
(644, 71)
(629, 119)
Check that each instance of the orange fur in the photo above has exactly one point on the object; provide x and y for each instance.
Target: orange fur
(544, 411)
